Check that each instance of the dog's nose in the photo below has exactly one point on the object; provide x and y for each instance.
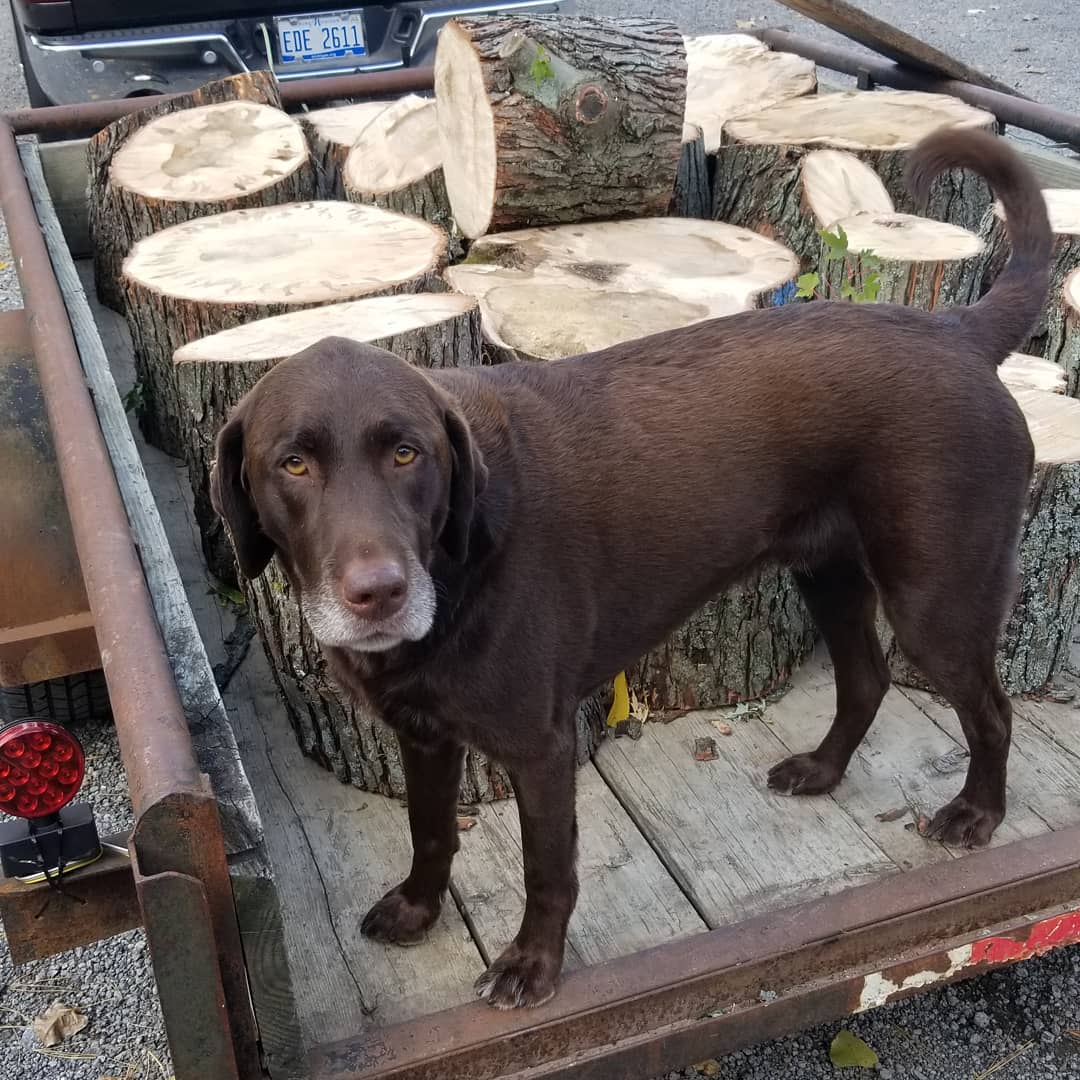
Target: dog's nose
(374, 589)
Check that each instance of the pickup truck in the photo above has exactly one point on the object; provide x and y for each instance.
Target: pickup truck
(82, 50)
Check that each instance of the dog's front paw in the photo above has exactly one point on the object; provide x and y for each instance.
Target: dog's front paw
(804, 774)
(520, 979)
(400, 921)
(963, 824)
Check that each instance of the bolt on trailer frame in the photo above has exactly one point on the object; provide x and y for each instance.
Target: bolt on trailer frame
(636, 1016)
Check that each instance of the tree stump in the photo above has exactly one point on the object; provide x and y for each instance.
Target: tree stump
(734, 75)
(396, 163)
(1036, 639)
(919, 262)
(614, 281)
(331, 134)
(742, 645)
(693, 192)
(207, 275)
(757, 181)
(108, 239)
(1050, 336)
(550, 120)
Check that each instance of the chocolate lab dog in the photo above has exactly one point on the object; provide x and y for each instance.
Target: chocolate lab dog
(458, 538)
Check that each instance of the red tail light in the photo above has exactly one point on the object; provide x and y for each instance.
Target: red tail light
(41, 768)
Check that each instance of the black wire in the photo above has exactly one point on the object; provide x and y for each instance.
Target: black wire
(57, 883)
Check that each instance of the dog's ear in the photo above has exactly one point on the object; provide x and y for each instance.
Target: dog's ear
(468, 480)
(232, 501)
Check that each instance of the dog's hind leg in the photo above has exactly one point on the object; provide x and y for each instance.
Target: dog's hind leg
(955, 647)
(843, 602)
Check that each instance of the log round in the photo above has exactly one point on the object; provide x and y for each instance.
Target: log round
(614, 281)
(210, 274)
(549, 120)
(757, 180)
(693, 192)
(1051, 335)
(742, 645)
(1036, 639)
(396, 163)
(109, 239)
(733, 75)
(331, 134)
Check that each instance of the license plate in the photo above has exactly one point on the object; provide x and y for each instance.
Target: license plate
(307, 39)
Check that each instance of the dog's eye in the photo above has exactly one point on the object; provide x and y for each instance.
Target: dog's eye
(294, 466)
(404, 455)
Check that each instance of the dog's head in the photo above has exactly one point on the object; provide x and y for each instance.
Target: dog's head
(355, 469)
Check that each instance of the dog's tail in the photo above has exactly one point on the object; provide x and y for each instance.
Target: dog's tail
(1004, 317)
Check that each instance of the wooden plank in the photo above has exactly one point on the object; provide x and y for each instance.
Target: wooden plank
(1059, 722)
(1044, 777)
(627, 900)
(906, 760)
(735, 847)
(64, 166)
(1052, 170)
(888, 40)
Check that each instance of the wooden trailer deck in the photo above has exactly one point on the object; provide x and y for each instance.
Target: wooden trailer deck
(669, 846)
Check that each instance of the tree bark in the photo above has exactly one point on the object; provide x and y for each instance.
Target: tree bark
(1055, 334)
(692, 198)
(742, 645)
(1036, 639)
(614, 281)
(109, 238)
(204, 276)
(552, 120)
(331, 134)
(758, 180)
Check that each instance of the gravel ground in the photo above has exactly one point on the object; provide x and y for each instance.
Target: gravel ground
(1027, 1016)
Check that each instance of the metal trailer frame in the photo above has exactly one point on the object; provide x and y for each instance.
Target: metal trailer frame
(636, 1016)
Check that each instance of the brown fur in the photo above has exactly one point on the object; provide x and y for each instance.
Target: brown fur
(569, 515)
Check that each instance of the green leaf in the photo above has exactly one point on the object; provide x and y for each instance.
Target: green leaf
(868, 260)
(871, 289)
(541, 68)
(848, 292)
(850, 1052)
(806, 284)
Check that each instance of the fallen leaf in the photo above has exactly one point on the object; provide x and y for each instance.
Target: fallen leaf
(708, 1068)
(464, 824)
(724, 729)
(638, 709)
(705, 750)
(620, 705)
(850, 1052)
(891, 815)
(58, 1022)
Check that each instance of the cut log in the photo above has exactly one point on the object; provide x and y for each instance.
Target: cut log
(1050, 336)
(757, 181)
(614, 281)
(1036, 639)
(733, 75)
(108, 240)
(550, 120)
(427, 329)
(331, 134)
(1022, 371)
(693, 191)
(396, 163)
(743, 645)
(207, 275)
(1063, 345)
